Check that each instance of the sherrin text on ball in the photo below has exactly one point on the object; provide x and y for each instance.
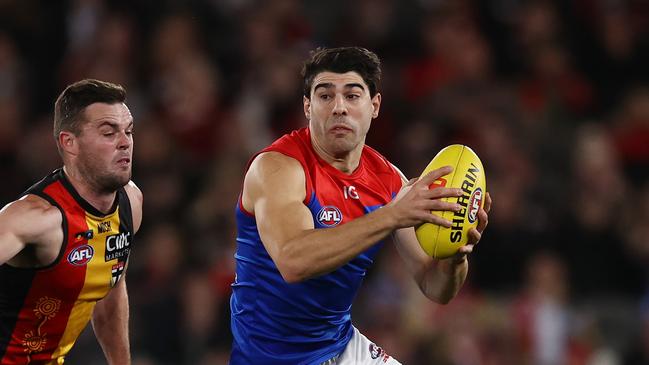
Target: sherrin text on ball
(467, 175)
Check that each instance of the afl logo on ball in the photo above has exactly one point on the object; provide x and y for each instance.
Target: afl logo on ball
(474, 204)
(329, 216)
(81, 255)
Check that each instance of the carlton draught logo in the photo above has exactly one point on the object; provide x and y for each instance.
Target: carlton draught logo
(330, 216)
(81, 255)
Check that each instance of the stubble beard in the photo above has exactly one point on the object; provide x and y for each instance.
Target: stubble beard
(342, 146)
(102, 180)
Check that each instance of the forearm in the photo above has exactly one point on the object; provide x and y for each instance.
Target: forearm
(443, 280)
(110, 323)
(319, 251)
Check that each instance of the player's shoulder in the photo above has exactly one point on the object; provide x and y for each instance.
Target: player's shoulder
(133, 191)
(376, 160)
(30, 209)
(402, 176)
(272, 163)
(136, 199)
(31, 203)
(273, 174)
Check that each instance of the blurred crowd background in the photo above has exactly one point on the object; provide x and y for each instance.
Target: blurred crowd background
(552, 95)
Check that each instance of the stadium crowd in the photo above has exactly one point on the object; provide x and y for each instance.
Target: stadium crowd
(552, 95)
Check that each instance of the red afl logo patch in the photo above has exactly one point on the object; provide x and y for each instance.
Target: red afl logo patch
(330, 216)
(81, 255)
(474, 204)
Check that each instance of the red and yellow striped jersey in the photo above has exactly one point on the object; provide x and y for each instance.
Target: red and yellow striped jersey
(43, 310)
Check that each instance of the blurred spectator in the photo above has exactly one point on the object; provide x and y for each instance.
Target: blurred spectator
(598, 191)
(13, 100)
(631, 131)
(542, 312)
(638, 353)
(157, 303)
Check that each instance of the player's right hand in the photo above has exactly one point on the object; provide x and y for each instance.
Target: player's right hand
(413, 204)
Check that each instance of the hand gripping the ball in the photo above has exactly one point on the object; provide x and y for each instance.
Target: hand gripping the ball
(475, 234)
(415, 201)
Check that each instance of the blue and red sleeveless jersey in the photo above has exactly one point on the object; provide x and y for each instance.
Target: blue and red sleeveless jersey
(274, 322)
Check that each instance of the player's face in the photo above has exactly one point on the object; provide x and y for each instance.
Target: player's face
(340, 111)
(106, 146)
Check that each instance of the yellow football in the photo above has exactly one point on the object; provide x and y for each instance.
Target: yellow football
(468, 175)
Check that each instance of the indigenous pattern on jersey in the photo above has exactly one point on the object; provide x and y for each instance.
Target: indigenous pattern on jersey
(274, 322)
(43, 311)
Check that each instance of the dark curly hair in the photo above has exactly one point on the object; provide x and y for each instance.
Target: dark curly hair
(340, 60)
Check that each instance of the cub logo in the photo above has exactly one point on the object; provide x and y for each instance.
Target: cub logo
(329, 216)
(474, 204)
(81, 255)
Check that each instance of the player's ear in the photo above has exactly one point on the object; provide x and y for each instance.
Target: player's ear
(68, 142)
(307, 107)
(376, 104)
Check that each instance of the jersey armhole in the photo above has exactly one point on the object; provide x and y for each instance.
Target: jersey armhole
(401, 177)
(241, 208)
(308, 186)
(64, 243)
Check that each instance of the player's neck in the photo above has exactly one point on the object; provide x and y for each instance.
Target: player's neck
(101, 200)
(346, 162)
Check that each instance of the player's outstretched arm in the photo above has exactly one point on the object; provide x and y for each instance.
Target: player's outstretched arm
(439, 280)
(274, 191)
(29, 220)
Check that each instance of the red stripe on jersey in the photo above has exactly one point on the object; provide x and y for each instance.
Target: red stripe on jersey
(46, 304)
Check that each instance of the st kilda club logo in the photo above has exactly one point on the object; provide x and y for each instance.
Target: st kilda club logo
(329, 216)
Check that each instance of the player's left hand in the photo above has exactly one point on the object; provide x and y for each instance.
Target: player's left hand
(476, 233)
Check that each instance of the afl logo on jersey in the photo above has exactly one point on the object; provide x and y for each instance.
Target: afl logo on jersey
(329, 216)
(81, 255)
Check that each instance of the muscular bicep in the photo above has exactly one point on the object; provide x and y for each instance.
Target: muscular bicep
(30, 220)
(11, 241)
(275, 190)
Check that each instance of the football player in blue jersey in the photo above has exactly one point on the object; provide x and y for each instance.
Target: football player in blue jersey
(309, 225)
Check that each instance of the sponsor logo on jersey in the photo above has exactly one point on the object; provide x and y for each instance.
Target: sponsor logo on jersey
(376, 352)
(350, 192)
(118, 246)
(81, 255)
(103, 227)
(474, 204)
(85, 235)
(329, 216)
